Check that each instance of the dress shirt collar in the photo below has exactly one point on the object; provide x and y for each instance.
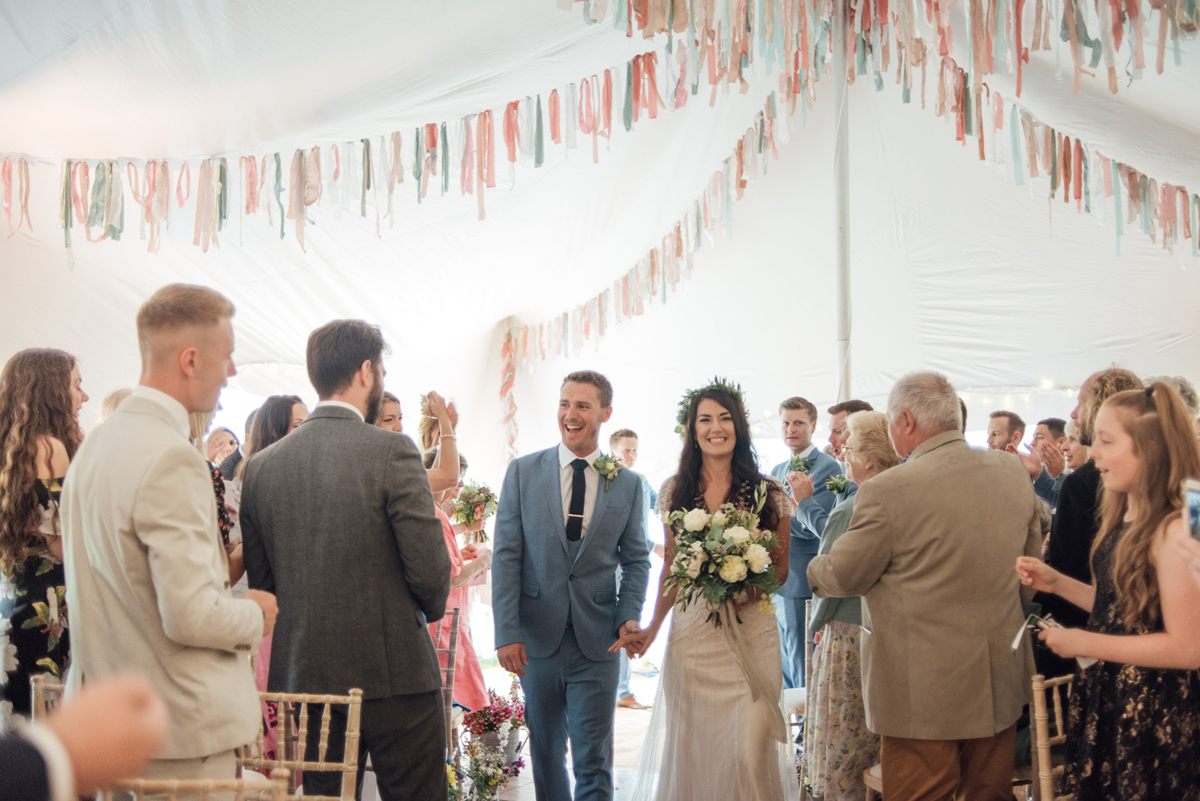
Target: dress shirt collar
(179, 415)
(804, 454)
(343, 405)
(565, 457)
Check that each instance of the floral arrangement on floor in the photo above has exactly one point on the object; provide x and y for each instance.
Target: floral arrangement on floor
(475, 502)
(484, 766)
(721, 555)
(484, 773)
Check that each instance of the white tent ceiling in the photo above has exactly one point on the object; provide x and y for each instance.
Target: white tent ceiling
(954, 267)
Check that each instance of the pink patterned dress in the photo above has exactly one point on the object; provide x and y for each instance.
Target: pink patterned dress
(469, 687)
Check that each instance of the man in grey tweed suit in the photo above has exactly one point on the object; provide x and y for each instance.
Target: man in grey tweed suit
(338, 521)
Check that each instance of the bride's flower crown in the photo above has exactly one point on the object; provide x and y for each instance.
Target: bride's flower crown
(718, 384)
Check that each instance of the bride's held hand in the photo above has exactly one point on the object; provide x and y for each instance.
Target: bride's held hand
(635, 641)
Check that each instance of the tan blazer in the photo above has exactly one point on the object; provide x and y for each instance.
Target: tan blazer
(148, 580)
(931, 549)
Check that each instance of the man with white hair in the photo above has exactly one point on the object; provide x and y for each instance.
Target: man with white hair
(930, 549)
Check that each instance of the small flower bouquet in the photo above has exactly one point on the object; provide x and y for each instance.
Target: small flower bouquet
(721, 555)
(491, 718)
(484, 774)
(837, 484)
(609, 467)
(800, 464)
(475, 502)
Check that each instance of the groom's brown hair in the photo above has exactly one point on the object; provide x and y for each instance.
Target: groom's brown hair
(597, 380)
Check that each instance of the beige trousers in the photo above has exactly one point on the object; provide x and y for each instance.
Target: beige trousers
(949, 770)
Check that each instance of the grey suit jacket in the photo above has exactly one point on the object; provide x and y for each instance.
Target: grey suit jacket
(338, 521)
(148, 580)
(932, 548)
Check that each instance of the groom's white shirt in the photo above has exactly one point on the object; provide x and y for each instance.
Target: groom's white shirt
(591, 480)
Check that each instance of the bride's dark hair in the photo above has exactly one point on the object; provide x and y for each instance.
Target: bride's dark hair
(685, 486)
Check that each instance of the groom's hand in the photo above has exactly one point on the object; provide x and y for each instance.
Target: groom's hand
(512, 657)
(627, 628)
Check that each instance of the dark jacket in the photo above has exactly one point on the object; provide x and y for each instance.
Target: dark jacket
(338, 521)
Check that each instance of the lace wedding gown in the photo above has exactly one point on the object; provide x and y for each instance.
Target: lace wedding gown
(708, 740)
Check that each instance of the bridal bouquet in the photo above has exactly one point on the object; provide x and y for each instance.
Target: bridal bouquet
(475, 502)
(721, 555)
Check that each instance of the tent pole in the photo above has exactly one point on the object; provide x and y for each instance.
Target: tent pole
(841, 170)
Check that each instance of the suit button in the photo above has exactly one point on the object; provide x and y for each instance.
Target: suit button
(571, 577)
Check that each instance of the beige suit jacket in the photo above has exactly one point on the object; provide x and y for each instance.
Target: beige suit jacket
(148, 580)
(931, 549)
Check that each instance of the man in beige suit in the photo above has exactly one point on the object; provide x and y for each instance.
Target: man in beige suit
(930, 549)
(147, 578)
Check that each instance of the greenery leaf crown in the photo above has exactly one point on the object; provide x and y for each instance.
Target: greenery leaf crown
(718, 384)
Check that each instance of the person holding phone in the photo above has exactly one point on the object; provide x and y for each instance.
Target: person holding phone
(1135, 715)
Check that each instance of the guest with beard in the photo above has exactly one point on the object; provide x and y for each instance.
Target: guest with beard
(41, 392)
(338, 519)
(470, 690)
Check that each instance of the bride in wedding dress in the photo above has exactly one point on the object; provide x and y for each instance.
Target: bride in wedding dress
(710, 739)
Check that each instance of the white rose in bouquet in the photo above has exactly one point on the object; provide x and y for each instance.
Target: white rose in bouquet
(696, 565)
(720, 519)
(733, 569)
(758, 558)
(696, 520)
(737, 534)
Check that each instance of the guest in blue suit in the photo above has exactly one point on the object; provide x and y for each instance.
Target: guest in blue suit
(798, 418)
(562, 530)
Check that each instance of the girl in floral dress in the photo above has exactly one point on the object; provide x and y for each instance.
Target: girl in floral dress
(40, 396)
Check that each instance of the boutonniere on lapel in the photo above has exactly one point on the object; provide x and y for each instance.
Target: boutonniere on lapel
(608, 467)
(799, 464)
(837, 484)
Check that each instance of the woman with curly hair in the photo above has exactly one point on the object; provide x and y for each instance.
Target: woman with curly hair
(41, 393)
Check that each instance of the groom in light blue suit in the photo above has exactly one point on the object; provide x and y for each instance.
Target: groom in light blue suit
(562, 530)
(798, 418)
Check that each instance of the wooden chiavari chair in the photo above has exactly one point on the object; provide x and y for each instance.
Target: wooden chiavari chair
(293, 744)
(448, 672)
(1045, 772)
(46, 691)
(275, 788)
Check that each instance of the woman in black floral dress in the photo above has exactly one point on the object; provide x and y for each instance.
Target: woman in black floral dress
(40, 396)
(1134, 721)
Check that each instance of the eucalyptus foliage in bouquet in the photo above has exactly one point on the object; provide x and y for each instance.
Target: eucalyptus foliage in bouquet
(719, 556)
(475, 502)
(837, 484)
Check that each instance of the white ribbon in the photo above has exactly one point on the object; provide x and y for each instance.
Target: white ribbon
(765, 701)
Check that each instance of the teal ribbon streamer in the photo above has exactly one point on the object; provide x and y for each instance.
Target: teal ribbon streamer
(223, 198)
(366, 183)
(1087, 188)
(1053, 163)
(1014, 125)
(1120, 226)
(968, 106)
(860, 61)
(65, 203)
(1081, 31)
(699, 227)
(279, 192)
(418, 158)
(539, 145)
(587, 13)
(1144, 188)
(998, 50)
(99, 194)
(628, 110)
(445, 148)
(1195, 215)
(116, 200)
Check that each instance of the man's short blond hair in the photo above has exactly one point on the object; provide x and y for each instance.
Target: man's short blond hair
(177, 306)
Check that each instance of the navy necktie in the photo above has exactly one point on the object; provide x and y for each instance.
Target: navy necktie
(578, 490)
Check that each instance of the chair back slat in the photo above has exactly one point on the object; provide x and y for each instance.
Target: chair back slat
(451, 654)
(45, 692)
(1045, 772)
(274, 788)
(291, 757)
